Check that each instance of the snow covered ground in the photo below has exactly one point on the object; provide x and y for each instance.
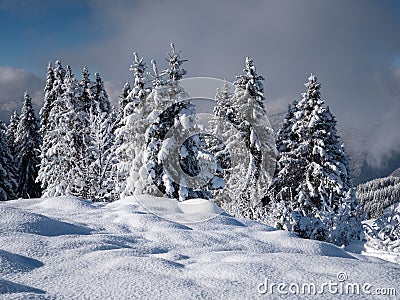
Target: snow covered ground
(68, 248)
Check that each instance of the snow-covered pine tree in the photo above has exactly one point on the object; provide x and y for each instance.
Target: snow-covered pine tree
(139, 90)
(99, 97)
(59, 169)
(12, 132)
(175, 153)
(53, 91)
(100, 155)
(312, 195)
(58, 84)
(27, 144)
(217, 144)
(49, 97)
(245, 111)
(171, 111)
(129, 137)
(285, 142)
(8, 184)
(123, 101)
(84, 103)
(175, 71)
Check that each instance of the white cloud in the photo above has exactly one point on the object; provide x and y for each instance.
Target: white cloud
(113, 91)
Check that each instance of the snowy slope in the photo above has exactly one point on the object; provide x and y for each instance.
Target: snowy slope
(68, 248)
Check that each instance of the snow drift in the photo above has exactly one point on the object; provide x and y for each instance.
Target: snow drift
(73, 249)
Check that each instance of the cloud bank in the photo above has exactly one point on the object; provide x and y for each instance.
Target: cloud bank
(13, 84)
(350, 45)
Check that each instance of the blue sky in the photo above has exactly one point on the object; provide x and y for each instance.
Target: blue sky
(352, 46)
(34, 28)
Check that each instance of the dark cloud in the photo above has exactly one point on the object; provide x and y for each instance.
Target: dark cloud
(350, 45)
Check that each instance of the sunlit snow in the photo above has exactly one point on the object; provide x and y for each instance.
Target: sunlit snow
(68, 248)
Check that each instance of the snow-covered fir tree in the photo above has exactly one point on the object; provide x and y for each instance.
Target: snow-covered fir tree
(249, 133)
(139, 90)
(27, 144)
(98, 96)
(60, 170)
(53, 91)
(129, 137)
(100, 155)
(312, 194)
(172, 159)
(8, 183)
(58, 84)
(49, 97)
(175, 71)
(139, 118)
(85, 94)
(219, 142)
(12, 132)
(68, 136)
(123, 101)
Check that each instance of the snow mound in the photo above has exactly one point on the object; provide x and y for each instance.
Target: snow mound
(121, 250)
(189, 211)
(10, 262)
(17, 220)
(65, 204)
(27, 292)
(199, 206)
(283, 241)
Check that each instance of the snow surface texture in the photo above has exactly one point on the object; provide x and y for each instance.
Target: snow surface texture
(68, 248)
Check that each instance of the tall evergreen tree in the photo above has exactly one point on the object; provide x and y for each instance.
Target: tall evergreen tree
(27, 145)
(101, 157)
(49, 97)
(312, 194)
(59, 172)
(123, 101)
(58, 84)
(8, 184)
(139, 91)
(171, 156)
(53, 91)
(84, 103)
(130, 135)
(12, 132)
(148, 172)
(99, 97)
(249, 133)
(175, 71)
